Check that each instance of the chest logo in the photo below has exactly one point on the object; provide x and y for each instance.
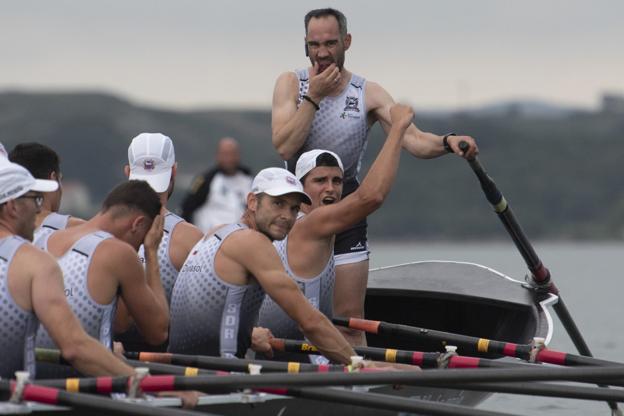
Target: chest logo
(351, 104)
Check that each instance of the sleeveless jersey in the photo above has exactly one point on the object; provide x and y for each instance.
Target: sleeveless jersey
(54, 221)
(96, 319)
(208, 315)
(17, 326)
(340, 125)
(132, 339)
(318, 290)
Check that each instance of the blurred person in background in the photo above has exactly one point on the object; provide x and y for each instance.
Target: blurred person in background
(219, 195)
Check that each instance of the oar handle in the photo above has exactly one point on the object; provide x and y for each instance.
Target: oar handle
(540, 273)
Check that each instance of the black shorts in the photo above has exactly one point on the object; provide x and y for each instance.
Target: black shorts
(351, 245)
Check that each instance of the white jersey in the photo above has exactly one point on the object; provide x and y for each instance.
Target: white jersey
(18, 327)
(96, 319)
(54, 221)
(340, 125)
(226, 201)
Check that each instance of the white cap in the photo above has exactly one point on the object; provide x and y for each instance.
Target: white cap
(151, 157)
(3, 151)
(307, 162)
(276, 182)
(15, 181)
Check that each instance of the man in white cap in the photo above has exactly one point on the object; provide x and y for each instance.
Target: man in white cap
(44, 163)
(223, 282)
(100, 264)
(31, 287)
(307, 251)
(151, 157)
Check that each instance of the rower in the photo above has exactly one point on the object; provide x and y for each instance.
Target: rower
(99, 262)
(307, 251)
(151, 157)
(31, 286)
(218, 293)
(44, 163)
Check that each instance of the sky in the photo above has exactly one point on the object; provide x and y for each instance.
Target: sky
(191, 54)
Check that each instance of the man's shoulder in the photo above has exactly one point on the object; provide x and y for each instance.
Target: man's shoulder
(186, 232)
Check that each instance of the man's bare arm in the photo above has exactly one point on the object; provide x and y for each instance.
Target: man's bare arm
(144, 300)
(331, 219)
(256, 253)
(291, 125)
(420, 144)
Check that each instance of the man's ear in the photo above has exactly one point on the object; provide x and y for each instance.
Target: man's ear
(138, 223)
(347, 41)
(252, 201)
(127, 170)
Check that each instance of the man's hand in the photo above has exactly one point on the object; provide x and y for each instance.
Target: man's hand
(154, 235)
(321, 85)
(260, 338)
(401, 116)
(472, 151)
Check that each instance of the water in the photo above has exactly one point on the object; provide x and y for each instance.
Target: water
(589, 277)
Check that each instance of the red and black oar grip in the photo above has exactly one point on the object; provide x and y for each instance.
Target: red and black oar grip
(365, 325)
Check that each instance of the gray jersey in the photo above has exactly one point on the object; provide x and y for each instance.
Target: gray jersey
(96, 319)
(208, 315)
(17, 326)
(168, 273)
(54, 221)
(318, 290)
(340, 125)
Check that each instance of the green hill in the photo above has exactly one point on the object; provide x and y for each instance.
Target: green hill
(561, 174)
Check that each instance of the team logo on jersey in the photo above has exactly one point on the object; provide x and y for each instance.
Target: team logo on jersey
(351, 104)
(148, 164)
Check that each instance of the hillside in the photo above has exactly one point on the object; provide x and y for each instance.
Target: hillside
(560, 172)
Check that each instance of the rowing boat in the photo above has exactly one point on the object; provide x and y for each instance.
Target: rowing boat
(459, 297)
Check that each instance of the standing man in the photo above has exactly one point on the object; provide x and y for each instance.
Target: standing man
(222, 284)
(219, 195)
(308, 250)
(151, 157)
(31, 287)
(44, 163)
(327, 107)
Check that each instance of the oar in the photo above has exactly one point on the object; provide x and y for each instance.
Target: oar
(421, 359)
(53, 396)
(107, 385)
(540, 275)
(472, 344)
(228, 364)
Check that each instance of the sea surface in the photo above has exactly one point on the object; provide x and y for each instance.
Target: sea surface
(590, 278)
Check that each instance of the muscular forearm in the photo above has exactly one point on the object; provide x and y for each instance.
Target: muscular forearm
(152, 274)
(422, 144)
(92, 358)
(328, 340)
(291, 136)
(380, 177)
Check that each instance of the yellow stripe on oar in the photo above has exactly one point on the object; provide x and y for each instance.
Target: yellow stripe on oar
(72, 385)
(391, 355)
(483, 345)
(293, 367)
(191, 371)
(501, 206)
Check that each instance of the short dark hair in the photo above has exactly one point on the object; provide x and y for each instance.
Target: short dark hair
(324, 159)
(316, 13)
(134, 194)
(39, 159)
